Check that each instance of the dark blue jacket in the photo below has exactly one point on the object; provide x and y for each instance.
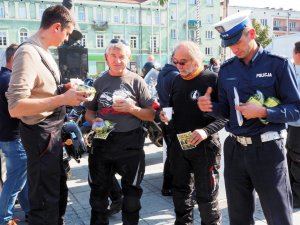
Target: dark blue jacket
(270, 74)
(164, 83)
(9, 127)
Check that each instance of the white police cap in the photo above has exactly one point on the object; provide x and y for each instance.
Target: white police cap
(231, 28)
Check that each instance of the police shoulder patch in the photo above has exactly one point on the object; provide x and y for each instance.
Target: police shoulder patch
(277, 56)
(227, 62)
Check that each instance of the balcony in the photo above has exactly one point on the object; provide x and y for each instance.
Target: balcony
(282, 28)
(192, 23)
(100, 25)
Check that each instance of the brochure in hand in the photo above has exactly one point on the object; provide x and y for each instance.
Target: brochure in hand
(103, 128)
(237, 103)
(184, 140)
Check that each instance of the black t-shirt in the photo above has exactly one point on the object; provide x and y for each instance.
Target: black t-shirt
(185, 93)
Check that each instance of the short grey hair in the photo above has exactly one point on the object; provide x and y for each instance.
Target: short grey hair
(194, 51)
(118, 45)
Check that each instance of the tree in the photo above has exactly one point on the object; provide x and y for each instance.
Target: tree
(162, 2)
(262, 33)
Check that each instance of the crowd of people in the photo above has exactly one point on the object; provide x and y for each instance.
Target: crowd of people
(247, 95)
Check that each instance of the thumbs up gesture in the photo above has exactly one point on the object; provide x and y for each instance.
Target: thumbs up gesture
(204, 102)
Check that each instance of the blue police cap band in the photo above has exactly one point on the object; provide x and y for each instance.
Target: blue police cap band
(232, 40)
(235, 30)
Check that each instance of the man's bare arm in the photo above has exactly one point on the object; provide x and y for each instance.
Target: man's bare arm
(31, 106)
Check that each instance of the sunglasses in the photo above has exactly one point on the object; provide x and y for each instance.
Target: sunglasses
(116, 41)
(180, 63)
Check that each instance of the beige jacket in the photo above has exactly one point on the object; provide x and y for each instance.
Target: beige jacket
(31, 79)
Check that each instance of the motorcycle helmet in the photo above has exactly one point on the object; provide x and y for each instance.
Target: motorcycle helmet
(154, 133)
(88, 82)
(73, 140)
(147, 67)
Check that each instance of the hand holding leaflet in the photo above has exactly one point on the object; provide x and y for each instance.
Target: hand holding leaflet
(237, 103)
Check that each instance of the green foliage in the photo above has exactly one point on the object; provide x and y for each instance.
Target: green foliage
(162, 2)
(262, 33)
(93, 76)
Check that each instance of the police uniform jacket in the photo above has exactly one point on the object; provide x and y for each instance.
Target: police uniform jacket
(274, 76)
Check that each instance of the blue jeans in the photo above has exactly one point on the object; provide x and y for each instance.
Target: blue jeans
(16, 180)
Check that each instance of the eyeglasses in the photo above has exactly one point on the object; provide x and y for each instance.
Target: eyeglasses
(180, 63)
(116, 41)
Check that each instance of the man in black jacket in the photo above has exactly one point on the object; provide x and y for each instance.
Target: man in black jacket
(195, 149)
(164, 85)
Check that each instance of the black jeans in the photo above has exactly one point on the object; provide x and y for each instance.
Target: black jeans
(167, 173)
(293, 159)
(202, 163)
(48, 191)
(122, 153)
(115, 192)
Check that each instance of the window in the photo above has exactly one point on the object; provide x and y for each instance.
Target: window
(209, 34)
(133, 42)
(116, 19)
(156, 17)
(81, 13)
(132, 18)
(99, 15)
(173, 15)
(276, 23)
(173, 1)
(192, 2)
(42, 9)
(208, 51)
(154, 44)
(192, 35)
(292, 25)
(210, 18)
(100, 41)
(3, 38)
(209, 2)
(2, 11)
(23, 35)
(83, 40)
(173, 33)
(116, 16)
(264, 22)
(147, 18)
(117, 36)
(22, 11)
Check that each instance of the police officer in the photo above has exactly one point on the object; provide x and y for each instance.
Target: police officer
(254, 151)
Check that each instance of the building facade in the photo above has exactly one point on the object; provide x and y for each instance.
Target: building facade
(279, 21)
(149, 28)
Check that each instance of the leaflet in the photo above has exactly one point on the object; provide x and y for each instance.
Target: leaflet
(184, 140)
(237, 103)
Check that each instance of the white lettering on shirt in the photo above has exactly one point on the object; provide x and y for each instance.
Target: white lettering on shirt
(260, 75)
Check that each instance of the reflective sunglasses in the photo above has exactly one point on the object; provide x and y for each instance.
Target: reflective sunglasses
(116, 41)
(180, 63)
